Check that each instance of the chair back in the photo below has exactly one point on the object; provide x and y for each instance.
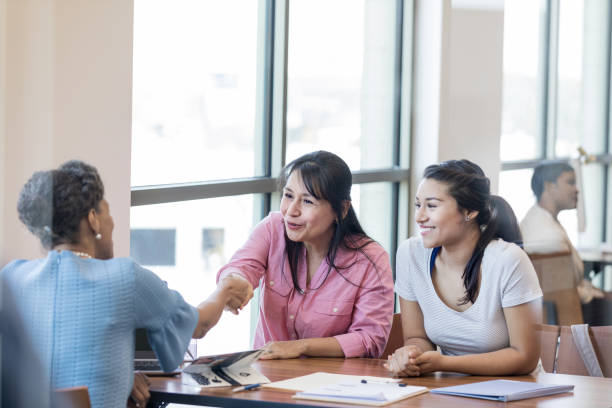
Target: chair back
(569, 360)
(73, 397)
(548, 336)
(556, 275)
(396, 337)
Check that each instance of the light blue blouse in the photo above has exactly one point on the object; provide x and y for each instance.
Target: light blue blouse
(81, 315)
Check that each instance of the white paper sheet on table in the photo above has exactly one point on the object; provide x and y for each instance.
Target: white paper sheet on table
(320, 379)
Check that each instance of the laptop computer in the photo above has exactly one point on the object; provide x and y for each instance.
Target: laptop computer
(145, 360)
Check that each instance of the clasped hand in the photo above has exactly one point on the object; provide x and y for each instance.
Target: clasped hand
(238, 290)
(411, 361)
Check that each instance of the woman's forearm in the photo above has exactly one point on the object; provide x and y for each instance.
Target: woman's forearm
(321, 347)
(423, 344)
(210, 312)
(507, 361)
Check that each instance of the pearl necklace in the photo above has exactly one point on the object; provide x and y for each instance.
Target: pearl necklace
(82, 254)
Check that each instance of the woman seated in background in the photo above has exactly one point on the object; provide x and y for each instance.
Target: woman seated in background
(326, 287)
(82, 305)
(463, 287)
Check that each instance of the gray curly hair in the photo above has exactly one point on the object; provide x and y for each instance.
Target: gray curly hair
(52, 203)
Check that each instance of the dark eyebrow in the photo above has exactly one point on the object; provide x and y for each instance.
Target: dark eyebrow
(432, 198)
(307, 194)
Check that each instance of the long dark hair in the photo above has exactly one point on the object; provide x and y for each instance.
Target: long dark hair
(469, 186)
(326, 176)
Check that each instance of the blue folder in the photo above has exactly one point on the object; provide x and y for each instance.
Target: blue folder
(503, 390)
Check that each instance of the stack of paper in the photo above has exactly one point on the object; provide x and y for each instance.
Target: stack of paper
(316, 380)
(503, 390)
(376, 394)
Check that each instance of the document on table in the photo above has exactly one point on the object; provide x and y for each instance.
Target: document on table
(503, 390)
(310, 381)
(356, 392)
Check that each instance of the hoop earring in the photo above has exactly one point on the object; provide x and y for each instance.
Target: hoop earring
(98, 236)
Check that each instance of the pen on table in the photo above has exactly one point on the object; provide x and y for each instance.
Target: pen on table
(246, 387)
(364, 381)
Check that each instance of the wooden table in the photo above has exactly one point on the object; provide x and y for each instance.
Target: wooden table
(595, 260)
(588, 391)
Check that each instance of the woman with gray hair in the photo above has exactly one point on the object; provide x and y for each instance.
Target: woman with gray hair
(82, 305)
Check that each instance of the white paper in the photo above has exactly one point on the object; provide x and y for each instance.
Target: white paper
(321, 379)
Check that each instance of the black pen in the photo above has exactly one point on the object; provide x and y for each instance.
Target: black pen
(364, 381)
(246, 387)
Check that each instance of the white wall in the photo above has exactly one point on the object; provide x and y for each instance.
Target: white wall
(471, 105)
(68, 96)
(2, 115)
(457, 97)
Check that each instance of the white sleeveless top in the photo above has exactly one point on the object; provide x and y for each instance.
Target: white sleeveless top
(508, 279)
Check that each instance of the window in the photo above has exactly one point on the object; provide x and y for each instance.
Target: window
(153, 246)
(522, 82)
(207, 233)
(556, 99)
(230, 91)
(341, 81)
(194, 90)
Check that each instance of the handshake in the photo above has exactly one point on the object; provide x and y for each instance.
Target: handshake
(236, 290)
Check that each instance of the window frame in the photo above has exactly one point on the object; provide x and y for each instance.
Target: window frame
(548, 131)
(270, 119)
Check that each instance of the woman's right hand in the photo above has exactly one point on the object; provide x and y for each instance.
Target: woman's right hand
(402, 362)
(238, 291)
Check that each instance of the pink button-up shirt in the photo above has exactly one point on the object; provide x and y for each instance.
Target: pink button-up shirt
(354, 305)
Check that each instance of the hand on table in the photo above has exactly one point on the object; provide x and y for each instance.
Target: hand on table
(282, 349)
(429, 362)
(411, 361)
(403, 362)
(140, 391)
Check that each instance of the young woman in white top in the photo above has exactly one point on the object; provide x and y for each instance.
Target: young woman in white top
(463, 287)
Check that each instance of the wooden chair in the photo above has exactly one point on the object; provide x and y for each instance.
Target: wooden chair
(570, 362)
(73, 397)
(549, 335)
(558, 282)
(396, 337)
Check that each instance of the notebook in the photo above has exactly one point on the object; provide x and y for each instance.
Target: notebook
(357, 392)
(503, 390)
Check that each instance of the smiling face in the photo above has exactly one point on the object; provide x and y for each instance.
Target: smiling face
(307, 219)
(440, 220)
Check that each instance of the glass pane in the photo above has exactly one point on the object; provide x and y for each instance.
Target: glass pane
(341, 80)
(582, 76)
(199, 237)
(515, 187)
(592, 195)
(523, 84)
(372, 203)
(193, 90)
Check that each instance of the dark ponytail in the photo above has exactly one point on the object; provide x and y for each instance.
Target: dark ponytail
(469, 186)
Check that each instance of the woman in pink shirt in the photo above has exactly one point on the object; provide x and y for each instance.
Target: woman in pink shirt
(326, 287)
